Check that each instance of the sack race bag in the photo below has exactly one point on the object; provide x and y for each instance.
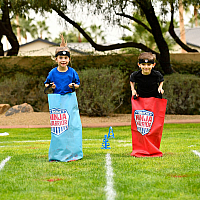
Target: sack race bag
(147, 122)
(66, 128)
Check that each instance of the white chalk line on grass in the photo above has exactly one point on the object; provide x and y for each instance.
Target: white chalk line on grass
(110, 192)
(196, 152)
(2, 164)
(26, 141)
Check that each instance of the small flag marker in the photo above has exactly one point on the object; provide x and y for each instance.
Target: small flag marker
(105, 144)
(111, 133)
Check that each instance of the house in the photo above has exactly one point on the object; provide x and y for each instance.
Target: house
(192, 39)
(40, 47)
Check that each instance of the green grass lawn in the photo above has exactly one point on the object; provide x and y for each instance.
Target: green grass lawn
(29, 175)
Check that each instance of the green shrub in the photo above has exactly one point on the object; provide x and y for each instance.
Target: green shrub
(22, 81)
(36, 97)
(183, 94)
(15, 90)
(23, 88)
(100, 92)
(187, 68)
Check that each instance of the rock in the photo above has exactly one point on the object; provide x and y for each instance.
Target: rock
(19, 109)
(4, 108)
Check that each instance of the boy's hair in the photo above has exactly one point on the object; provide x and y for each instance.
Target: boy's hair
(147, 55)
(63, 46)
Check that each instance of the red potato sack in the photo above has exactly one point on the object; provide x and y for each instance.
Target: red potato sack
(147, 122)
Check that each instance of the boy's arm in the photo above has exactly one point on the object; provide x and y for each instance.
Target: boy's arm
(48, 82)
(160, 90)
(76, 81)
(133, 88)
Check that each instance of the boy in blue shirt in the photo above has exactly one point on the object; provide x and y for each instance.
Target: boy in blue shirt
(66, 127)
(62, 77)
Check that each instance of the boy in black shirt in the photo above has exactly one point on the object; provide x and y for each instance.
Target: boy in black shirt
(149, 82)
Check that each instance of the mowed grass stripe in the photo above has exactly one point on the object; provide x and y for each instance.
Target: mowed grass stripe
(173, 176)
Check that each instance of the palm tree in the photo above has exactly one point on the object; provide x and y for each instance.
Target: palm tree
(42, 27)
(96, 32)
(22, 26)
(194, 21)
(182, 27)
(196, 17)
(58, 40)
(18, 29)
(70, 36)
(139, 34)
(28, 27)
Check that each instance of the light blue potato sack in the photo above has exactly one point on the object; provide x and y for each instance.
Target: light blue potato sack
(66, 128)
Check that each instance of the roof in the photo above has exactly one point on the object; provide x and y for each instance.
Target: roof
(41, 40)
(192, 36)
(70, 45)
(57, 44)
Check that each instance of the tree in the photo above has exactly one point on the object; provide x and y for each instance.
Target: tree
(96, 32)
(10, 8)
(148, 11)
(139, 33)
(194, 20)
(22, 25)
(182, 26)
(42, 27)
(196, 17)
(6, 29)
(173, 34)
(73, 35)
(114, 11)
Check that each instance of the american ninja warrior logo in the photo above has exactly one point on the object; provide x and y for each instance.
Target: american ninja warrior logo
(144, 120)
(59, 119)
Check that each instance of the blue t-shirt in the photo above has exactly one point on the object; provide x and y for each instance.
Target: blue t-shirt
(62, 80)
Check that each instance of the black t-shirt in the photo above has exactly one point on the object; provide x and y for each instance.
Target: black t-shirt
(147, 85)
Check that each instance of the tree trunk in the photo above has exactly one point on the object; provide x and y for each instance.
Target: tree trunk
(164, 59)
(18, 29)
(182, 26)
(6, 29)
(173, 34)
(1, 47)
(196, 15)
(1, 36)
(103, 47)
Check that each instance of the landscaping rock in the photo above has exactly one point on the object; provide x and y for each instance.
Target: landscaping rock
(19, 109)
(4, 108)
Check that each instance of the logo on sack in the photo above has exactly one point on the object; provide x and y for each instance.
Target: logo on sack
(59, 119)
(144, 120)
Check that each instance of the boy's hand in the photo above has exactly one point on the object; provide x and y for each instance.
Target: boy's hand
(53, 86)
(134, 93)
(71, 85)
(75, 85)
(160, 90)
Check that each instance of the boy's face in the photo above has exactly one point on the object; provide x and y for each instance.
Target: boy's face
(146, 68)
(62, 61)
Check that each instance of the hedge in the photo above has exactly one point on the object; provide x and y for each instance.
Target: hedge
(183, 94)
(22, 81)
